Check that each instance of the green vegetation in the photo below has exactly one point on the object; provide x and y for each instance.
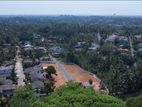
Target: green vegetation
(134, 102)
(70, 95)
(23, 97)
(90, 81)
(13, 76)
(118, 70)
(121, 73)
(3, 101)
(50, 70)
(7, 53)
(49, 87)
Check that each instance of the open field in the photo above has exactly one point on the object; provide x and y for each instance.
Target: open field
(83, 76)
(78, 74)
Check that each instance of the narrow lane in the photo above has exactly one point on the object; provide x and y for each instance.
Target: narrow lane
(131, 46)
(64, 72)
(19, 70)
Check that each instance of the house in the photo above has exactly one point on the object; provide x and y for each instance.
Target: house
(28, 46)
(93, 47)
(56, 50)
(28, 63)
(122, 42)
(35, 73)
(111, 38)
(77, 47)
(46, 59)
(5, 71)
(7, 81)
(38, 86)
(6, 45)
(37, 78)
(7, 90)
(138, 38)
(41, 49)
(6, 85)
(31, 69)
(139, 46)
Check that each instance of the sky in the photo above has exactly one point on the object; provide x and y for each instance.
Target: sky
(71, 8)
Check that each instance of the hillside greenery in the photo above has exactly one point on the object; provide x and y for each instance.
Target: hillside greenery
(70, 95)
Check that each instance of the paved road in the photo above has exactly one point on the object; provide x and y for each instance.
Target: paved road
(19, 71)
(131, 46)
(64, 72)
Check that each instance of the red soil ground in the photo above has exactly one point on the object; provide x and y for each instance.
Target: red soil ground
(83, 76)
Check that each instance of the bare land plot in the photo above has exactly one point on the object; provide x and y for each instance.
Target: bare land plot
(82, 76)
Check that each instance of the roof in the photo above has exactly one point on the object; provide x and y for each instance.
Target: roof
(36, 76)
(123, 38)
(41, 48)
(35, 69)
(93, 46)
(2, 78)
(139, 45)
(138, 36)
(27, 61)
(56, 50)
(7, 87)
(112, 37)
(7, 82)
(37, 84)
(5, 71)
(77, 46)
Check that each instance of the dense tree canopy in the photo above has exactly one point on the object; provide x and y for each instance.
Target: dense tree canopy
(73, 95)
(134, 102)
(23, 97)
(70, 95)
(50, 70)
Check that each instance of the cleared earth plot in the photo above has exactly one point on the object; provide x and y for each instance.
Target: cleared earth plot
(82, 76)
(78, 74)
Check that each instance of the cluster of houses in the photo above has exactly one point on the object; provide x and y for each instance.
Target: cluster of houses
(79, 45)
(137, 44)
(7, 86)
(28, 46)
(36, 76)
(37, 50)
(122, 42)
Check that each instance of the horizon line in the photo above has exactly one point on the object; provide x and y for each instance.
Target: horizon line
(115, 15)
